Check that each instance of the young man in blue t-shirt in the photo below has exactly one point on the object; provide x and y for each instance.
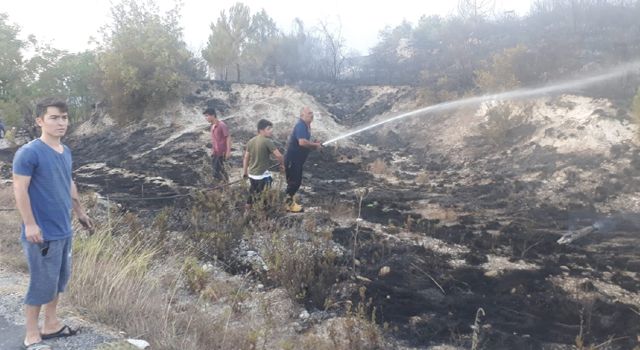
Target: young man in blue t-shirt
(298, 148)
(45, 196)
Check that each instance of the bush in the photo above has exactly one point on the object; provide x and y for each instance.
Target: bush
(504, 72)
(307, 270)
(75, 77)
(196, 276)
(500, 122)
(143, 59)
(379, 167)
(218, 223)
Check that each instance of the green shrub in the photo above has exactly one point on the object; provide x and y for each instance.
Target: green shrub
(196, 276)
(306, 269)
(500, 122)
(504, 71)
(143, 59)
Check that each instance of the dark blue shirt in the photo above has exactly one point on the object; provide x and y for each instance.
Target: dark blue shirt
(49, 189)
(295, 152)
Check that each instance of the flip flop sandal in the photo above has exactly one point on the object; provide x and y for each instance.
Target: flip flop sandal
(36, 346)
(65, 331)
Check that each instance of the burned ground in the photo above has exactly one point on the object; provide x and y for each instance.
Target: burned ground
(452, 234)
(432, 296)
(525, 308)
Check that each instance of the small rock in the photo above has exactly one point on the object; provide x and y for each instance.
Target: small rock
(139, 343)
(362, 278)
(207, 267)
(304, 315)
(384, 271)
(491, 273)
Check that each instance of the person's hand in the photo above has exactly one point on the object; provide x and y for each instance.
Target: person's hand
(245, 175)
(281, 167)
(86, 222)
(33, 234)
(227, 155)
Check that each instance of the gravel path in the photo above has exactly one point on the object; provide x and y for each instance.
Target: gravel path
(12, 287)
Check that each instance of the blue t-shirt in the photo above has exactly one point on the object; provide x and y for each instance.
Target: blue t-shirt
(49, 189)
(294, 151)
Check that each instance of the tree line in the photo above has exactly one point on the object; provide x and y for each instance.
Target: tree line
(141, 62)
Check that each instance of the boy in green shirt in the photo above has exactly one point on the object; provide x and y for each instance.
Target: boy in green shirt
(257, 160)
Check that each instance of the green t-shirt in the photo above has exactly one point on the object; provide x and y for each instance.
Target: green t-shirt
(260, 149)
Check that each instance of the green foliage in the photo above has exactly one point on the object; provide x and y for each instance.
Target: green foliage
(11, 71)
(11, 60)
(503, 72)
(217, 209)
(307, 270)
(196, 276)
(74, 76)
(499, 125)
(49, 72)
(220, 52)
(10, 112)
(143, 59)
(239, 39)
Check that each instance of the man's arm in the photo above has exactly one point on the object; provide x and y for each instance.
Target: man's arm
(308, 144)
(245, 164)
(23, 202)
(280, 158)
(84, 219)
(228, 153)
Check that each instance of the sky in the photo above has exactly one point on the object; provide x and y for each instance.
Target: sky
(69, 24)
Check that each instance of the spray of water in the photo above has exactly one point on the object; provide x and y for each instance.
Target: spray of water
(605, 225)
(612, 73)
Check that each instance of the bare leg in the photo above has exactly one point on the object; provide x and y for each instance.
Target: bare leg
(51, 322)
(31, 313)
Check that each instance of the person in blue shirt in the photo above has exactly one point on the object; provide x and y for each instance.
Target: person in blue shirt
(2, 131)
(45, 196)
(298, 148)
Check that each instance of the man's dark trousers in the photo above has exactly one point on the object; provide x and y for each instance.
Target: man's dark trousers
(219, 172)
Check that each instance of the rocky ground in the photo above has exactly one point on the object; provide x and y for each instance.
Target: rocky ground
(453, 226)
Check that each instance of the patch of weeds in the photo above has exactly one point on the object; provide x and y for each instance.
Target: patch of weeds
(196, 276)
(379, 167)
(217, 224)
(358, 329)
(500, 125)
(307, 270)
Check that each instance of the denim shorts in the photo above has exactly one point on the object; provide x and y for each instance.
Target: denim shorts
(49, 269)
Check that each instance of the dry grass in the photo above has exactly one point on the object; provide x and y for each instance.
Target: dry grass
(356, 330)
(114, 283)
(379, 167)
(10, 247)
(307, 270)
(126, 277)
(423, 179)
(339, 209)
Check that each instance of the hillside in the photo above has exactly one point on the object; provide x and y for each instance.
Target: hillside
(434, 216)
